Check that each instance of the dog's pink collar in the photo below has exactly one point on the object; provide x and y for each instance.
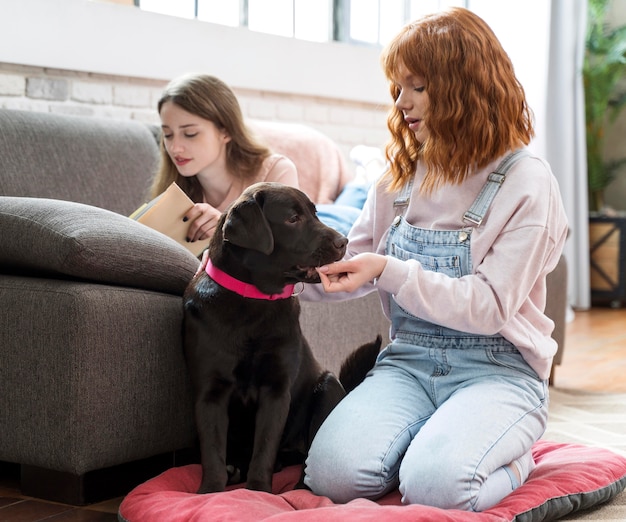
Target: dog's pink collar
(244, 289)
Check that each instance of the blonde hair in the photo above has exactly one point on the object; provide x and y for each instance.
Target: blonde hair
(211, 99)
(477, 110)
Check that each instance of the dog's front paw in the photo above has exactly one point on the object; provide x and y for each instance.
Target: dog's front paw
(259, 485)
(210, 486)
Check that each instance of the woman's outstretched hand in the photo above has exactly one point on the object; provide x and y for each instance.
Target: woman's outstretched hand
(347, 276)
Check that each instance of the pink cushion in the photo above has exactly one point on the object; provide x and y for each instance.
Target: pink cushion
(568, 477)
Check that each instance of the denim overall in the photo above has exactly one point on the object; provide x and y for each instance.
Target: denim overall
(444, 251)
(442, 410)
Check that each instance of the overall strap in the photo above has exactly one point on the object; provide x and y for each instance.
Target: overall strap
(404, 195)
(477, 211)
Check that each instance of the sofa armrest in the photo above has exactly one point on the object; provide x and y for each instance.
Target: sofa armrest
(92, 375)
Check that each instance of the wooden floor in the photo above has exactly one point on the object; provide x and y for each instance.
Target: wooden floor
(594, 359)
(14, 507)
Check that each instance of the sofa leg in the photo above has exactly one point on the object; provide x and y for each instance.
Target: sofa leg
(93, 486)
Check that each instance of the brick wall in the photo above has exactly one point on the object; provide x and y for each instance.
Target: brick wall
(69, 92)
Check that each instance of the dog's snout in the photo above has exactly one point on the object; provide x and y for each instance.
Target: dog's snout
(340, 242)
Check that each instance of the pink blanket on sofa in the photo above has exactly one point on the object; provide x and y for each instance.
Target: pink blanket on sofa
(322, 168)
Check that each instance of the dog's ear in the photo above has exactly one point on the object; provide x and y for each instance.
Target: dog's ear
(246, 226)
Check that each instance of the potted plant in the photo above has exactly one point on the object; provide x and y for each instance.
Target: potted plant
(604, 68)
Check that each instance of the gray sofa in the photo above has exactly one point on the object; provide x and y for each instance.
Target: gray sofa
(94, 396)
(92, 377)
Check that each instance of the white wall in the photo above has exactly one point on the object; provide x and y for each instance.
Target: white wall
(523, 28)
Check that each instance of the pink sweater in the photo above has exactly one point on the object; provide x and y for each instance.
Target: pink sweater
(518, 243)
(276, 167)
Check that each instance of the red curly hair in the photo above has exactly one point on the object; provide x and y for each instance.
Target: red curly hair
(477, 111)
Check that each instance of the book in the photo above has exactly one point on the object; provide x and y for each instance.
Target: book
(165, 214)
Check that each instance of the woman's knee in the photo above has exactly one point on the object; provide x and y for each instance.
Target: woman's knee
(432, 479)
(347, 460)
(344, 474)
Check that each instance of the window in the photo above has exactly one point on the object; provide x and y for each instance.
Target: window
(372, 22)
(304, 19)
(369, 22)
(180, 8)
(224, 12)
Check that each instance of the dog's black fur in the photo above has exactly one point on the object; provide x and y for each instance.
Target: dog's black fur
(260, 395)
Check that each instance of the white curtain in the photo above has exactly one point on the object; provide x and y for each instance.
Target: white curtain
(565, 136)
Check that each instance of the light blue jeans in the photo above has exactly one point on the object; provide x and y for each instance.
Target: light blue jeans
(440, 413)
(343, 212)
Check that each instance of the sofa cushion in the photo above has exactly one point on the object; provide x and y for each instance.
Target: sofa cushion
(61, 238)
(104, 162)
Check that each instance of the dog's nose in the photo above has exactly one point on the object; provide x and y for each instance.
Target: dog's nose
(340, 242)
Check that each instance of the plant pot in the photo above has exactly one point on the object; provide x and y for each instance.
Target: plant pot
(607, 259)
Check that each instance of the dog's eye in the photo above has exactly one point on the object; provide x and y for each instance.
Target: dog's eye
(293, 219)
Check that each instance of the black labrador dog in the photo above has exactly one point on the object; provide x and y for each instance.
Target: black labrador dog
(260, 395)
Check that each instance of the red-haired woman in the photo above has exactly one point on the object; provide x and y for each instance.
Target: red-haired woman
(458, 238)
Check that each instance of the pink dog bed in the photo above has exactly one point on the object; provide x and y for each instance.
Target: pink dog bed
(567, 478)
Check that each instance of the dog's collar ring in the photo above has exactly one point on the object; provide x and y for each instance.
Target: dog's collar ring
(297, 290)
